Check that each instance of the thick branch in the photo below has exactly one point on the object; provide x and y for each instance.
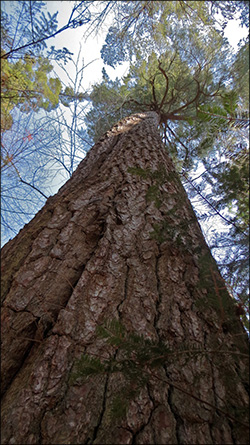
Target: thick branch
(191, 101)
(152, 82)
(166, 90)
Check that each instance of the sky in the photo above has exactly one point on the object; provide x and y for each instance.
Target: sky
(73, 38)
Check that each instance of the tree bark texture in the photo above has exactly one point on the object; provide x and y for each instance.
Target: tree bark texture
(119, 241)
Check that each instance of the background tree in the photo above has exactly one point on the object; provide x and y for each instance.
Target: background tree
(41, 151)
(30, 154)
(36, 150)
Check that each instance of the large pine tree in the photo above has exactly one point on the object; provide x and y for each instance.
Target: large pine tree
(116, 324)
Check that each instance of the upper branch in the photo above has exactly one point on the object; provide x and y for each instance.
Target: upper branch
(195, 99)
(152, 82)
(166, 90)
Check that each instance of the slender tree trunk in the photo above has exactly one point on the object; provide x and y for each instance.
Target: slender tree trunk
(119, 241)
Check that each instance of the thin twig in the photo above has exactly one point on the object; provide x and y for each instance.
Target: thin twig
(42, 39)
(31, 20)
(211, 205)
(25, 182)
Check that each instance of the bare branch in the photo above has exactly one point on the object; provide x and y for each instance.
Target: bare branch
(25, 182)
(71, 23)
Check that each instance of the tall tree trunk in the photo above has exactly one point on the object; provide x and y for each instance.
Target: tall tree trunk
(119, 241)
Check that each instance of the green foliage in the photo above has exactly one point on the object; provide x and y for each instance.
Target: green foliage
(25, 76)
(137, 23)
(233, 186)
(240, 75)
(167, 74)
(229, 101)
(136, 359)
(158, 233)
(69, 96)
(88, 366)
(183, 84)
(228, 181)
(26, 84)
(139, 172)
(107, 95)
(154, 194)
(158, 177)
(114, 331)
(121, 400)
(173, 228)
(135, 354)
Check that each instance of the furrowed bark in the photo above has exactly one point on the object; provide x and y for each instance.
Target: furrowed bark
(119, 241)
